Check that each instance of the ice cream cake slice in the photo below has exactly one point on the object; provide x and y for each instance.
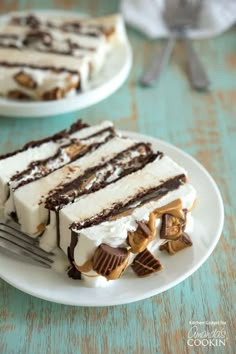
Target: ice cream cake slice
(46, 59)
(109, 202)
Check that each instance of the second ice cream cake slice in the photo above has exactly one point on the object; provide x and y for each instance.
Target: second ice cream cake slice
(48, 58)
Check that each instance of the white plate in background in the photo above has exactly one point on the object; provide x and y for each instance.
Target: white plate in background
(109, 79)
(208, 223)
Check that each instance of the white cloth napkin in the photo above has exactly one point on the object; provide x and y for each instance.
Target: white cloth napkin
(146, 15)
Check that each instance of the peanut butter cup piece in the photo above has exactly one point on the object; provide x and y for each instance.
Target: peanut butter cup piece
(145, 264)
(109, 32)
(142, 236)
(18, 95)
(24, 79)
(144, 227)
(110, 262)
(172, 227)
(138, 241)
(75, 149)
(174, 246)
(54, 94)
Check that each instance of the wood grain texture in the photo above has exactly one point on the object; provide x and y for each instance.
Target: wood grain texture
(204, 125)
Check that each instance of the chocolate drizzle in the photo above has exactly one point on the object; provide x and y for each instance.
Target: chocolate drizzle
(58, 228)
(29, 20)
(72, 271)
(78, 125)
(141, 198)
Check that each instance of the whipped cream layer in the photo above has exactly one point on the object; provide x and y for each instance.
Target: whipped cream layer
(114, 233)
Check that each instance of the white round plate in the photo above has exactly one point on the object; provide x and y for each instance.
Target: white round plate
(208, 224)
(110, 78)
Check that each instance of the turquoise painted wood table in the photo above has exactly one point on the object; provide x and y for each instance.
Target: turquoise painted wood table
(203, 125)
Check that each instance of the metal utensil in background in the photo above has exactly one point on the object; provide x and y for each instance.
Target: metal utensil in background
(159, 63)
(179, 16)
(190, 10)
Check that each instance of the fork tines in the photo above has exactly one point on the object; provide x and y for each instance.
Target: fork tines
(22, 245)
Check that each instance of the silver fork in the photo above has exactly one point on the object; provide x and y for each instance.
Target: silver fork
(179, 16)
(21, 246)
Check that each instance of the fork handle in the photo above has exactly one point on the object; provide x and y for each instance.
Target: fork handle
(197, 73)
(153, 74)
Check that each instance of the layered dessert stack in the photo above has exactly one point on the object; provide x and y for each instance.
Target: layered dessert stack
(108, 201)
(46, 58)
